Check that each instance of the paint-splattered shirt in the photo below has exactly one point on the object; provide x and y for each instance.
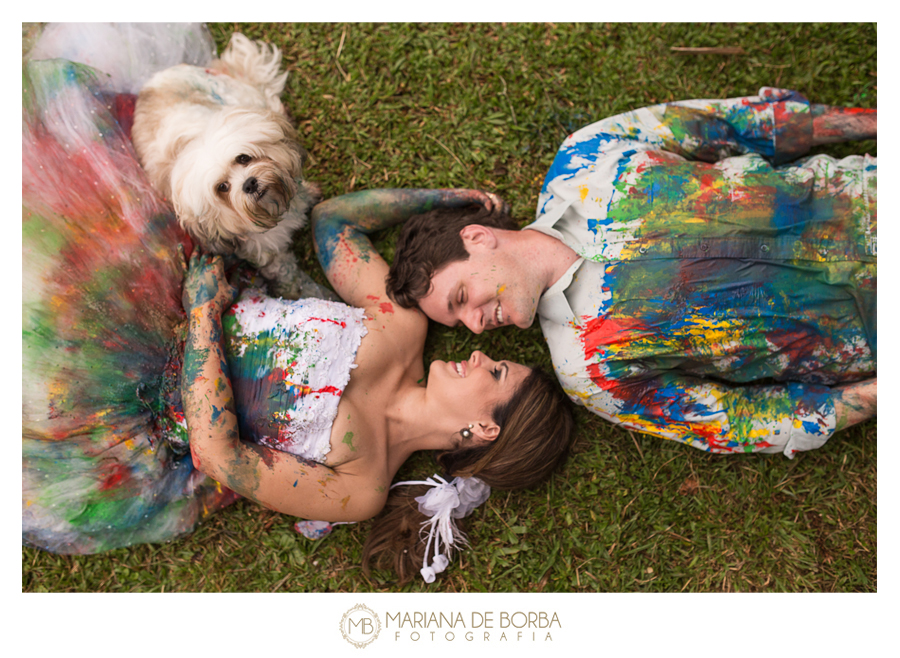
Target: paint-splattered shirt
(720, 291)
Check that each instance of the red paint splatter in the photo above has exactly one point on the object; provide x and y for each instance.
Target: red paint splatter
(118, 473)
(604, 332)
(343, 325)
(304, 390)
(386, 307)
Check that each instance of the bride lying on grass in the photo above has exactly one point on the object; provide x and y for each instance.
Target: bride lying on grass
(308, 407)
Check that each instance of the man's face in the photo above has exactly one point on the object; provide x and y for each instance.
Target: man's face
(493, 288)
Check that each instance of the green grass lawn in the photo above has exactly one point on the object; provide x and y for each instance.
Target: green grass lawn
(486, 106)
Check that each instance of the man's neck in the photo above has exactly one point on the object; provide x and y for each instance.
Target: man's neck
(549, 255)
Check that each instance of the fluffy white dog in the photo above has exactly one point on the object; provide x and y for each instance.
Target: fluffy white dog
(217, 143)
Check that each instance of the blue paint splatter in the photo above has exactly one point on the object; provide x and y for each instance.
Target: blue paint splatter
(216, 412)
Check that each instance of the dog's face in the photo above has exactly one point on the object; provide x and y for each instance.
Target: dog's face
(238, 177)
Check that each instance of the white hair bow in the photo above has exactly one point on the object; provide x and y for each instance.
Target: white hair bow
(445, 502)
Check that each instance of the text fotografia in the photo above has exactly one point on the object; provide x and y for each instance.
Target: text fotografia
(479, 626)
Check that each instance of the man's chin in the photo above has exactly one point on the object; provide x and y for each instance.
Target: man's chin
(526, 322)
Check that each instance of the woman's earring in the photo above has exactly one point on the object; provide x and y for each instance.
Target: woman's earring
(466, 432)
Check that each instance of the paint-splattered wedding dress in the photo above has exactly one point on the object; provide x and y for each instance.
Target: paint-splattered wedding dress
(105, 462)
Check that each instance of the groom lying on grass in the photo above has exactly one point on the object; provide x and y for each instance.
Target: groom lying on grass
(693, 279)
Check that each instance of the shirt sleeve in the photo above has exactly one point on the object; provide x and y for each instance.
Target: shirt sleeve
(776, 124)
(716, 417)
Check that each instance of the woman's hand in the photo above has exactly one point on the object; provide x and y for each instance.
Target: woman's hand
(487, 200)
(205, 282)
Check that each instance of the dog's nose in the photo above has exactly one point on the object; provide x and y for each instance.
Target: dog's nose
(251, 186)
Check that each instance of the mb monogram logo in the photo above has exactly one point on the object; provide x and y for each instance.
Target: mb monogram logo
(360, 626)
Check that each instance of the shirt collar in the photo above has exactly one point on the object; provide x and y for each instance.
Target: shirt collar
(553, 305)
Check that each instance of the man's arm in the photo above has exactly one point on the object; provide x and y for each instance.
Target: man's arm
(718, 417)
(779, 124)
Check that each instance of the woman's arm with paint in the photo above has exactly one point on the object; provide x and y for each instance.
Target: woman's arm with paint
(341, 226)
(275, 479)
(206, 388)
(854, 403)
(843, 124)
(372, 210)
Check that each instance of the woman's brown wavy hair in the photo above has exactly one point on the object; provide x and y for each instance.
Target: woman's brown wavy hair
(536, 432)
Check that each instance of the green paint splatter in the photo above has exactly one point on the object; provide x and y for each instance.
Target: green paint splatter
(348, 439)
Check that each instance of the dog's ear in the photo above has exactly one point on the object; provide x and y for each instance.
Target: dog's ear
(202, 226)
(162, 173)
(175, 147)
(192, 207)
(295, 156)
(187, 217)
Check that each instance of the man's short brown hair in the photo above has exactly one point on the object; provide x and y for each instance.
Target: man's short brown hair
(428, 242)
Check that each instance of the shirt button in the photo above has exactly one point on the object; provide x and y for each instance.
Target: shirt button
(704, 247)
(643, 250)
(764, 248)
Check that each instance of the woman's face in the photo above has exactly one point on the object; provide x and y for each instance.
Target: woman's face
(474, 386)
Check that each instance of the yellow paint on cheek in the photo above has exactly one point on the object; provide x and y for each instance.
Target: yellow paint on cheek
(501, 289)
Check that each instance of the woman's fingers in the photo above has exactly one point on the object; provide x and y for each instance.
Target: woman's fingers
(181, 258)
(496, 204)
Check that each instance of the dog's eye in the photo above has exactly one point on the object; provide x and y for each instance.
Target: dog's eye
(223, 188)
(243, 159)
